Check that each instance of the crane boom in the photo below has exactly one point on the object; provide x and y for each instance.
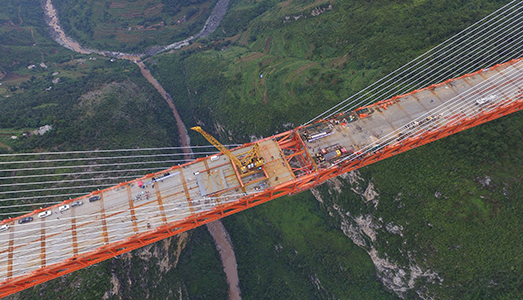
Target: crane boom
(251, 155)
(218, 145)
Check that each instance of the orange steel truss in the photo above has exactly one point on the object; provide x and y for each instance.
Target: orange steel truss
(297, 158)
(307, 176)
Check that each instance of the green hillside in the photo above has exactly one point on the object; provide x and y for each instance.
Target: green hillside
(272, 65)
(132, 26)
(269, 74)
(288, 71)
(25, 41)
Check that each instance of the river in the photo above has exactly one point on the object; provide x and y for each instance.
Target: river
(216, 229)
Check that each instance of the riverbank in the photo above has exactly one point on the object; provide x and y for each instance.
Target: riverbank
(217, 230)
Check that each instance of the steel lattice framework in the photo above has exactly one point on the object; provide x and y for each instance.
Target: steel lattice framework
(291, 168)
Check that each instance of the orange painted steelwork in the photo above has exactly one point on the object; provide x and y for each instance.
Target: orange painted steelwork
(307, 176)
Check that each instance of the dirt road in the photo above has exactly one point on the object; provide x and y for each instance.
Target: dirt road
(58, 34)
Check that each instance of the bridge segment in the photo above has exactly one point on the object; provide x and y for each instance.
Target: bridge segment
(142, 211)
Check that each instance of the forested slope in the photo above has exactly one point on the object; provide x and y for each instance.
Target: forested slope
(92, 102)
(442, 220)
(446, 215)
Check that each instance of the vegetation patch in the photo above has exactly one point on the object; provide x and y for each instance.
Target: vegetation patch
(451, 221)
(456, 200)
(132, 26)
(298, 254)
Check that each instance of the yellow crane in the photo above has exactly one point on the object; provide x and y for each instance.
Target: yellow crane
(247, 163)
(250, 155)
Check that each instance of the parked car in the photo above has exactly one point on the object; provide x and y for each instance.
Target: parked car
(44, 214)
(94, 198)
(4, 227)
(77, 203)
(64, 208)
(25, 220)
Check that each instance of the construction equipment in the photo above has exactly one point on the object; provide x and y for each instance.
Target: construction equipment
(251, 155)
(331, 152)
(247, 163)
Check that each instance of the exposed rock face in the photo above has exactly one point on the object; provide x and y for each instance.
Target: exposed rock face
(160, 253)
(365, 229)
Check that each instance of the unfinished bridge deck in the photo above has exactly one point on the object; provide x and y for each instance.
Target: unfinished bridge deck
(139, 212)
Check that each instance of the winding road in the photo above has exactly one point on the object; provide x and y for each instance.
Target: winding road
(216, 229)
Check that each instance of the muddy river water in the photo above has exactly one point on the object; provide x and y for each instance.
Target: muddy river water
(216, 229)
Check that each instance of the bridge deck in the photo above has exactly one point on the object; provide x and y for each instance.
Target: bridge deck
(444, 103)
(133, 208)
(191, 193)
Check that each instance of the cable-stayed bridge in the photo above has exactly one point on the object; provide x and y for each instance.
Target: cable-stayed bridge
(431, 97)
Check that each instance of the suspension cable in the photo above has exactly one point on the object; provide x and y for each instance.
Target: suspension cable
(102, 158)
(455, 103)
(116, 150)
(450, 58)
(379, 82)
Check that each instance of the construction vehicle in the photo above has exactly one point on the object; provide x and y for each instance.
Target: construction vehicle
(329, 156)
(247, 163)
(316, 132)
(331, 152)
(330, 148)
(346, 118)
(319, 135)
